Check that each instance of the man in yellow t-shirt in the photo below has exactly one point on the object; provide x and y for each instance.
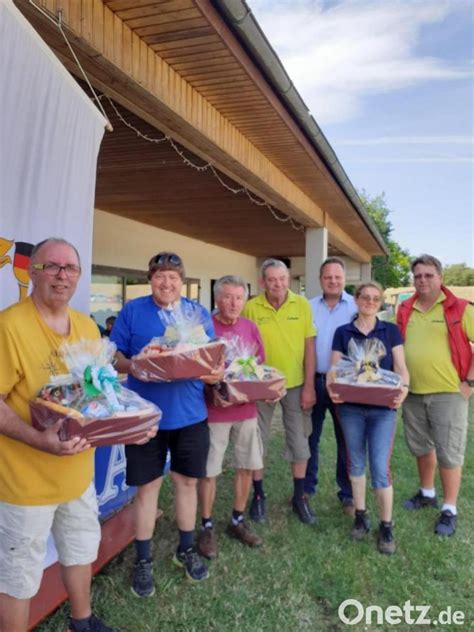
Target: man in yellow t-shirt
(437, 327)
(45, 484)
(285, 322)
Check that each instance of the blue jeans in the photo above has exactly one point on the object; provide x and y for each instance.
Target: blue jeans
(369, 428)
(323, 404)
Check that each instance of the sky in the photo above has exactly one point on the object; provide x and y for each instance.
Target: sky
(390, 83)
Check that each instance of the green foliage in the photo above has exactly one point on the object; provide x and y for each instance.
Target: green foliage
(394, 271)
(458, 274)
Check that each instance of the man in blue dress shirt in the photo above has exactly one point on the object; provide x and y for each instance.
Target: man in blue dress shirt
(333, 308)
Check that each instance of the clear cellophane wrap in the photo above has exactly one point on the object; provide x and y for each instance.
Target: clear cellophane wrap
(90, 401)
(245, 380)
(359, 379)
(184, 352)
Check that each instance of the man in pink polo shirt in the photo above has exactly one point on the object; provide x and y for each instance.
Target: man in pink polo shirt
(238, 422)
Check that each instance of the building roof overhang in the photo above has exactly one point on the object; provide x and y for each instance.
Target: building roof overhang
(179, 66)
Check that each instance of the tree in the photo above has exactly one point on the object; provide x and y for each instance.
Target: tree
(458, 274)
(394, 270)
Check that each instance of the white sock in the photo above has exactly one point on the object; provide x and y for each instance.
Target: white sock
(428, 493)
(451, 508)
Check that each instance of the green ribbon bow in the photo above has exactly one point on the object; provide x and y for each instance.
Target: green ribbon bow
(247, 365)
(95, 382)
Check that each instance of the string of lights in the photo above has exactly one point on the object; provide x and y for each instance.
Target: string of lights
(202, 167)
(57, 20)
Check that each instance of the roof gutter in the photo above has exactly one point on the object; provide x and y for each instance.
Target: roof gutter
(239, 17)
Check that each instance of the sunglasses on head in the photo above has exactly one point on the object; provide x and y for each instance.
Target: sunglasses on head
(165, 258)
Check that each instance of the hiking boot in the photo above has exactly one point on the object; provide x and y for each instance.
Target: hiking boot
(361, 526)
(207, 543)
(244, 534)
(95, 625)
(418, 501)
(385, 541)
(142, 580)
(446, 523)
(302, 509)
(307, 497)
(348, 506)
(257, 511)
(194, 569)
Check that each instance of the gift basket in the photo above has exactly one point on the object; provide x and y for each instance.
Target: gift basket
(184, 352)
(90, 400)
(245, 380)
(359, 378)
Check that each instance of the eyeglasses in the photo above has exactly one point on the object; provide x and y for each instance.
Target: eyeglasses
(164, 258)
(53, 269)
(370, 299)
(428, 276)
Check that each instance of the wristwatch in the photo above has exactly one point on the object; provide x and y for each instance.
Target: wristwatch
(470, 383)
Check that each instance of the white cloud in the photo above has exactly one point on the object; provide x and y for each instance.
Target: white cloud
(407, 140)
(428, 159)
(338, 53)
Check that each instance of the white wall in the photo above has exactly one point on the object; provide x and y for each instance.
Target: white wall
(124, 243)
(353, 269)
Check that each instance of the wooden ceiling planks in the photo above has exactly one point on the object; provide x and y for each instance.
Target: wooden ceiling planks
(202, 58)
(150, 183)
(186, 35)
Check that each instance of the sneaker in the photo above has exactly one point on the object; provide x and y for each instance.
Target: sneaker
(348, 506)
(418, 501)
(207, 543)
(385, 541)
(142, 579)
(244, 534)
(257, 511)
(95, 625)
(446, 523)
(302, 509)
(361, 526)
(195, 570)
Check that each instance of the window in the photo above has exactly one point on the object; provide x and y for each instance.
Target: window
(111, 288)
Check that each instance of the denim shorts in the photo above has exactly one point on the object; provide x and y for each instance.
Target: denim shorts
(369, 429)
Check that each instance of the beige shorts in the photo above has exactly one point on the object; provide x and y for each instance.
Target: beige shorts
(437, 422)
(24, 532)
(247, 445)
(296, 422)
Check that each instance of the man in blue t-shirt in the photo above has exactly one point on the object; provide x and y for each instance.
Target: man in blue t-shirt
(183, 428)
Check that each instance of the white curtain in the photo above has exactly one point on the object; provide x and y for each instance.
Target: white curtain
(50, 133)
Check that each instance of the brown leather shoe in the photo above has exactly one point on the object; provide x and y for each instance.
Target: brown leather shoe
(348, 507)
(243, 533)
(207, 544)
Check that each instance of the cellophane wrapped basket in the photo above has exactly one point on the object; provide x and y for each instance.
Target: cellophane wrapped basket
(184, 352)
(245, 380)
(359, 378)
(90, 400)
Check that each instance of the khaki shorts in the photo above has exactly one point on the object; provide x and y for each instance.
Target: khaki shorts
(437, 422)
(296, 421)
(247, 445)
(24, 533)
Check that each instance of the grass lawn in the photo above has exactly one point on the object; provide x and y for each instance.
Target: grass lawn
(298, 579)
